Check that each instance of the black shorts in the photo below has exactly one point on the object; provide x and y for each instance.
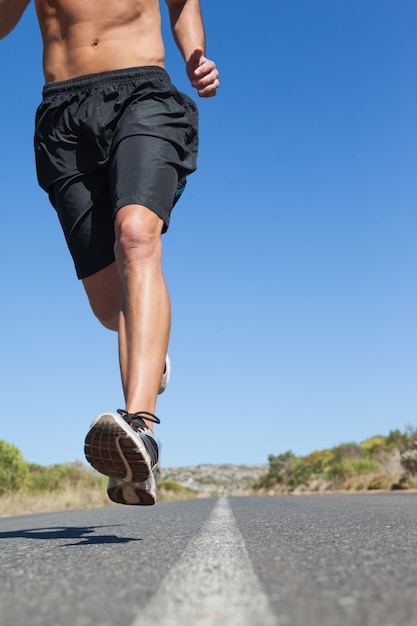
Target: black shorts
(107, 140)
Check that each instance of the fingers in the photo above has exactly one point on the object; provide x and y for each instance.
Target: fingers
(203, 74)
(206, 78)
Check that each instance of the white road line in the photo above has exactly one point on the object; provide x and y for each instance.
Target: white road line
(213, 583)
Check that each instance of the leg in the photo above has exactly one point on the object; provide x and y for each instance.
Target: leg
(105, 293)
(145, 316)
(131, 296)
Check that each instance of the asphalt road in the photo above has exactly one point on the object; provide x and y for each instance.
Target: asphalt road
(348, 560)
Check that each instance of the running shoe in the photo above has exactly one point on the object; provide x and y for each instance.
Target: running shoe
(124, 448)
(165, 376)
(128, 492)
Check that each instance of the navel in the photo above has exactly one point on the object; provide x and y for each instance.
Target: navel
(95, 43)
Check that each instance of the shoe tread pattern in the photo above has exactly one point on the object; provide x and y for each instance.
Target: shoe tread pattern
(114, 452)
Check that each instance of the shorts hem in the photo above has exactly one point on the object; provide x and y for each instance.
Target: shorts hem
(149, 203)
(84, 272)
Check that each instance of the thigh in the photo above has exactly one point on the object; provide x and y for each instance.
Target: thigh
(143, 171)
(84, 207)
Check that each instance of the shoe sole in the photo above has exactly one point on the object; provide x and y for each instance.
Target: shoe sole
(113, 448)
(134, 494)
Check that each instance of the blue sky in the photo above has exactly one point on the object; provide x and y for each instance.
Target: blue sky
(291, 258)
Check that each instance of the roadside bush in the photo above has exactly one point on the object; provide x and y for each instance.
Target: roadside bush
(347, 451)
(45, 479)
(409, 460)
(13, 468)
(278, 471)
(353, 467)
(398, 439)
(299, 473)
(380, 482)
(172, 485)
(377, 444)
(171, 489)
(319, 461)
(338, 464)
(408, 450)
(351, 459)
(291, 471)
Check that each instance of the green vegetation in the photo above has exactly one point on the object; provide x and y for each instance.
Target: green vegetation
(51, 479)
(377, 463)
(381, 462)
(18, 476)
(13, 469)
(172, 490)
(28, 488)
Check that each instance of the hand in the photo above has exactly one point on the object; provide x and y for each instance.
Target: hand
(203, 74)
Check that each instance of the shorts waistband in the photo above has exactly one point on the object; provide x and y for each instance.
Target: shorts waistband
(104, 78)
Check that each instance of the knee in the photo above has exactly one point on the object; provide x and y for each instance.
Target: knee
(134, 244)
(138, 237)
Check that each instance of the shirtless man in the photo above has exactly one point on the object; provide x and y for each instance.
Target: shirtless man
(114, 143)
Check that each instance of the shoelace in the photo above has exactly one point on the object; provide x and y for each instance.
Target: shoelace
(136, 419)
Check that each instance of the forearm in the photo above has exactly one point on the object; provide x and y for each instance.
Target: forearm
(10, 13)
(188, 30)
(187, 25)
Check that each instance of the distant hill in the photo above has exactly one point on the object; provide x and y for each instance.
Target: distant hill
(215, 480)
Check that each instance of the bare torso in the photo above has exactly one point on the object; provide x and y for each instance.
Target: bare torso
(88, 36)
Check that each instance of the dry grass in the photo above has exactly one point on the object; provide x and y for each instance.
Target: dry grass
(78, 497)
(72, 497)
